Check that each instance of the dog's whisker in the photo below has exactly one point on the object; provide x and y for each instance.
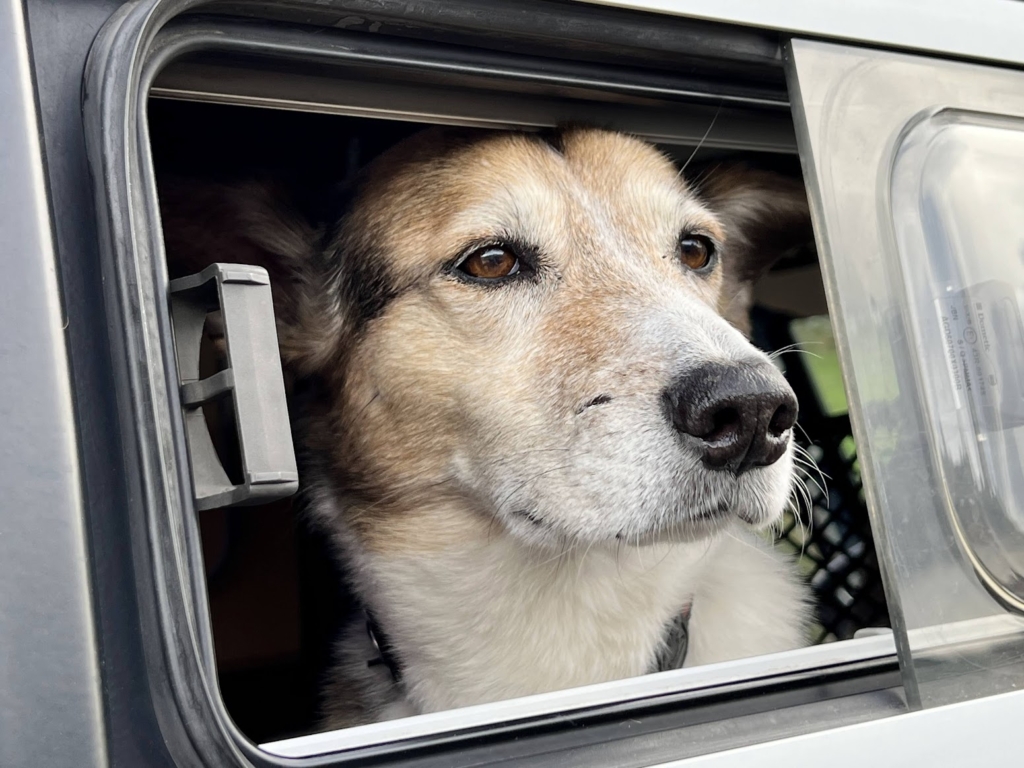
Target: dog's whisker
(804, 462)
(801, 494)
(703, 138)
(806, 477)
(807, 437)
(805, 489)
(795, 348)
(782, 350)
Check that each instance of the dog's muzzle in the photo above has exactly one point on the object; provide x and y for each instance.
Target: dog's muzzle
(736, 416)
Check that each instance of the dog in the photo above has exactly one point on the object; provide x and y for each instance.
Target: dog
(527, 410)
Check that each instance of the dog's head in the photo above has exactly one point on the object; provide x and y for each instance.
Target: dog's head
(535, 331)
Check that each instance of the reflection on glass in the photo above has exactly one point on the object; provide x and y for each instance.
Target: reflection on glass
(958, 210)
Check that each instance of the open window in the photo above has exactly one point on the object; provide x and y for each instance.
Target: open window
(247, 597)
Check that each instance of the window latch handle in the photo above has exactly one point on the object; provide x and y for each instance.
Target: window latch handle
(252, 380)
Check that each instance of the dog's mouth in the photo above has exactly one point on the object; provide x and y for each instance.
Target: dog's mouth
(738, 503)
(696, 525)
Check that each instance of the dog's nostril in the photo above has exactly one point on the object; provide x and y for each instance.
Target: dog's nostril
(783, 418)
(725, 423)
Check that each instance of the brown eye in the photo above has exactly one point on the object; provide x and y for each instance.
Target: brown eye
(696, 251)
(490, 263)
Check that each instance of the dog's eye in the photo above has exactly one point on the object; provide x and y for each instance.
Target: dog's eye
(490, 263)
(696, 251)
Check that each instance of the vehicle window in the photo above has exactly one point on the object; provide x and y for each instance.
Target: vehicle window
(929, 274)
(957, 185)
(524, 420)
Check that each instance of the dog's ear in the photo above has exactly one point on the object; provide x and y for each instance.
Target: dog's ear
(252, 223)
(765, 216)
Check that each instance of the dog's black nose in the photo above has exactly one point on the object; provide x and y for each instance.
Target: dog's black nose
(739, 415)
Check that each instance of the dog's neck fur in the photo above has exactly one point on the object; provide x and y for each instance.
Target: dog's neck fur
(498, 619)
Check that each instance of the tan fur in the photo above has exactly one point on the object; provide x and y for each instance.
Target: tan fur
(413, 372)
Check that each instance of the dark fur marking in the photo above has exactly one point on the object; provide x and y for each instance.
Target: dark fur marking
(533, 517)
(599, 400)
(554, 138)
(365, 286)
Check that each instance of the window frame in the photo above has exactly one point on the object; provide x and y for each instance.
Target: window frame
(51, 696)
(128, 56)
(982, 30)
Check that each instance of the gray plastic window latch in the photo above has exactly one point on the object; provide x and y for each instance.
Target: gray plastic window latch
(252, 379)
